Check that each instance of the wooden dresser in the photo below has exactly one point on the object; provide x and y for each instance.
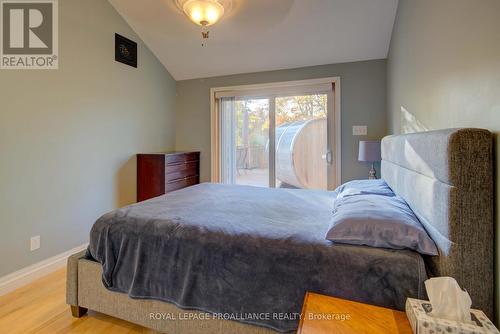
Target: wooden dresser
(160, 173)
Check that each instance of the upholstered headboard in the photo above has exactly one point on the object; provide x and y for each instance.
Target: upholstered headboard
(446, 176)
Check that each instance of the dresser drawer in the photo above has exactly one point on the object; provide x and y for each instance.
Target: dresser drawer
(182, 183)
(184, 157)
(182, 173)
(183, 166)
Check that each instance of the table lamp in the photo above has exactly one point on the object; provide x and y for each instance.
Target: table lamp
(369, 151)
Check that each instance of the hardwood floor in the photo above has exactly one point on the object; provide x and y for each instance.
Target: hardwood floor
(41, 308)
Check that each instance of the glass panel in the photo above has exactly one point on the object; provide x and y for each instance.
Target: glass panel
(301, 141)
(252, 137)
(228, 140)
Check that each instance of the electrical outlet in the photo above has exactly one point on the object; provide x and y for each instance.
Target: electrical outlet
(35, 243)
(359, 130)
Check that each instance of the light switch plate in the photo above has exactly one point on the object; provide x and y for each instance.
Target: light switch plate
(35, 243)
(359, 130)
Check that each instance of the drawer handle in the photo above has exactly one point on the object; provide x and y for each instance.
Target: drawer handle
(182, 179)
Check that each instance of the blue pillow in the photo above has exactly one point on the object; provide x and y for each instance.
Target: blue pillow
(358, 187)
(378, 221)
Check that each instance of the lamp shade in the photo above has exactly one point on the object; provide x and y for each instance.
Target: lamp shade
(369, 150)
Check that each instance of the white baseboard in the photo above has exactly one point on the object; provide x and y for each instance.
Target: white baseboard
(29, 274)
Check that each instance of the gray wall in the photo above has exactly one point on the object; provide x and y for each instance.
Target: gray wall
(444, 67)
(68, 136)
(363, 89)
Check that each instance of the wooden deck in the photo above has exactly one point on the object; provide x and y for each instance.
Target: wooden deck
(255, 177)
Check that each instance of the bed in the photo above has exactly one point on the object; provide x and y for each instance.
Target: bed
(243, 257)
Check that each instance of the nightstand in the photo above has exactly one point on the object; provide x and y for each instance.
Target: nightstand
(324, 314)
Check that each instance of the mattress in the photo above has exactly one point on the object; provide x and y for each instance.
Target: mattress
(245, 253)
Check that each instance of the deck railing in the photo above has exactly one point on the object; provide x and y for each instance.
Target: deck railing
(251, 157)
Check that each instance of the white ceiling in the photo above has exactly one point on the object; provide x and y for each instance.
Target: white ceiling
(260, 35)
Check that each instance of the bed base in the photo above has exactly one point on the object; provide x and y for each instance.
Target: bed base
(85, 291)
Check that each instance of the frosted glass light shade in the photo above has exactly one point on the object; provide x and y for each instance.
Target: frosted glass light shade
(203, 12)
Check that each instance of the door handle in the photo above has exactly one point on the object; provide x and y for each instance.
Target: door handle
(328, 156)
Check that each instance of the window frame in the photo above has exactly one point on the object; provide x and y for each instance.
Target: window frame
(278, 88)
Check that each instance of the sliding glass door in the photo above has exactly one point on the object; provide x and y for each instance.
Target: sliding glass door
(277, 139)
(301, 141)
(245, 141)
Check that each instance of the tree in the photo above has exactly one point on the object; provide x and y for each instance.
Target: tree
(300, 108)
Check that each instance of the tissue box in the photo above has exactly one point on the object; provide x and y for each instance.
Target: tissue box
(422, 323)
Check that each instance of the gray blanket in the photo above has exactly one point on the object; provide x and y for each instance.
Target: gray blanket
(246, 253)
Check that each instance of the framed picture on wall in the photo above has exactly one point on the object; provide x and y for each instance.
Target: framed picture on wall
(125, 51)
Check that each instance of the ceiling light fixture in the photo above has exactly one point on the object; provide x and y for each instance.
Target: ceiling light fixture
(204, 13)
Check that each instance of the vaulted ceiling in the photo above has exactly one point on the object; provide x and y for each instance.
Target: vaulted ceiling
(260, 35)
